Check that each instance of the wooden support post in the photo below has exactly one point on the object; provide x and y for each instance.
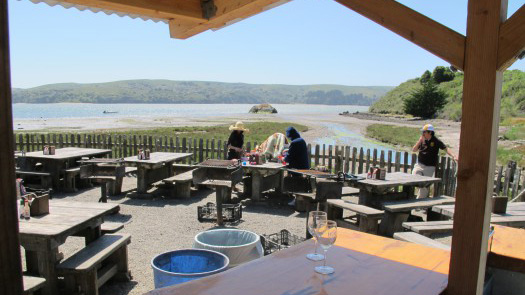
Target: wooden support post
(11, 266)
(481, 87)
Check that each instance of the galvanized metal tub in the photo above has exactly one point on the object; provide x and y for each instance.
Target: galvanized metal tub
(239, 245)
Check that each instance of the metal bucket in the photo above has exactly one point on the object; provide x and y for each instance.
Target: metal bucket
(179, 266)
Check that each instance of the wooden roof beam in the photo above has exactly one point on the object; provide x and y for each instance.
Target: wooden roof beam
(163, 9)
(228, 12)
(511, 39)
(413, 26)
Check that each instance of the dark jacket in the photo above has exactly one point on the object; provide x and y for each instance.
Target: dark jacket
(297, 153)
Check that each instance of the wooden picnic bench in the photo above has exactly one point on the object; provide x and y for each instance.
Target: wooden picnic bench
(324, 190)
(368, 217)
(182, 183)
(94, 265)
(104, 174)
(413, 237)
(109, 227)
(45, 177)
(429, 227)
(397, 212)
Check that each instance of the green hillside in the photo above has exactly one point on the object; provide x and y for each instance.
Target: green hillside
(512, 100)
(165, 91)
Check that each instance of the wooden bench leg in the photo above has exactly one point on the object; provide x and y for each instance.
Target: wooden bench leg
(87, 282)
(368, 225)
(103, 193)
(392, 222)
(183, 190)
(70, 182)
(123, 273)
(115, 187)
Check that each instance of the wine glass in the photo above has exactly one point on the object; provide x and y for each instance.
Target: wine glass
(316, 219)
(327, 237)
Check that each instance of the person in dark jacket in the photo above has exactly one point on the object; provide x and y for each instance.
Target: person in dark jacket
(297, 156)
(236, 141)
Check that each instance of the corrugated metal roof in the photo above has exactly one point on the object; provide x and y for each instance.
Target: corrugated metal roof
(95, 10)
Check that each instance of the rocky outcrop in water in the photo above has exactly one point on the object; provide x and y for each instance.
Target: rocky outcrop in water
(263, 108)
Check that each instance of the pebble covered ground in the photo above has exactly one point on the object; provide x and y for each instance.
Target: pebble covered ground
(158, 225)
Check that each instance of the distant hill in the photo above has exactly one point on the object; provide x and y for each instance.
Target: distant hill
(512, 97)
(166, 91)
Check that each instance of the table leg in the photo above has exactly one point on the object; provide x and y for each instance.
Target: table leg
(409, 191)
(42, 263)
(280, 187)
(142, 180)
(219, 195)
(256, 185)
(91, 234)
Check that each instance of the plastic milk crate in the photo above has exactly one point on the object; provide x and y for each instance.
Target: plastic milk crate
(230, 212)
(278, 241)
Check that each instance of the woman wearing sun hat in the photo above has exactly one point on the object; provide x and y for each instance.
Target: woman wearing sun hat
(236, 141)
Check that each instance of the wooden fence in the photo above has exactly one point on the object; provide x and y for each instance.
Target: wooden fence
(349, 159)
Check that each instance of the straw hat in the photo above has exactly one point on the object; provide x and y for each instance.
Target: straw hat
(239, 126)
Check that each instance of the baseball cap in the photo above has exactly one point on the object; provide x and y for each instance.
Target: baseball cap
(428, 127)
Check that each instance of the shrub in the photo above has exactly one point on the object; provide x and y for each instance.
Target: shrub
(425, 102)
(442, 74)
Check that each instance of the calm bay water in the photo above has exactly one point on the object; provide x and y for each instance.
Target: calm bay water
(85, 110)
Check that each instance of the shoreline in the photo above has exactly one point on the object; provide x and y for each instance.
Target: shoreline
(322, 128)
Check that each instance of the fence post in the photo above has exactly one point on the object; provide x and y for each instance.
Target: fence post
(375, 157)
(212, 149)
(330, 157)
(382, 159)
(367, 160)
(309, 153)
(316, 157)
(347, 159)
(398, 161)
(207, 154)
(361, 156)
(201, 152)
(172, 147)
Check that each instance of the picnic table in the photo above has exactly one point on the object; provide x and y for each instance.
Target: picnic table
(264, 177)
(373, 192)
(158, 167)
(42, 235)
(515, 215)
(55, 165)
(364, 264)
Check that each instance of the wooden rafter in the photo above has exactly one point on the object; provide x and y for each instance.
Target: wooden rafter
(227, 12)
(163, 9)
(413, 26)
(511, 39)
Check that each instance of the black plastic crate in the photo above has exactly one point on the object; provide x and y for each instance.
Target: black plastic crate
(230, 212)
(278, 241)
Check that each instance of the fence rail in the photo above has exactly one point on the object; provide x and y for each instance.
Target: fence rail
(345, 158)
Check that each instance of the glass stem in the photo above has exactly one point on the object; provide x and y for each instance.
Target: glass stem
(315, 239)
(324, 263)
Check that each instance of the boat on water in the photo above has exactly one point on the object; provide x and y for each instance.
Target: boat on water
(109, 112)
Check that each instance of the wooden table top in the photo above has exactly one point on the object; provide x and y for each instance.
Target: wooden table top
(396, 179)
(64, 218)
(507, 250)
(158, 158)
(364, 264)
(67, 153)
(515, 212)
(265, 166)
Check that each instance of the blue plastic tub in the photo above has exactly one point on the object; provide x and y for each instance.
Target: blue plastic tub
(179, 266)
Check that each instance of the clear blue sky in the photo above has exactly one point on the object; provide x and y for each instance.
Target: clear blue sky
(301, 42)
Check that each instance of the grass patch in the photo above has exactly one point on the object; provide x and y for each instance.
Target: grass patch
(515, 132)
(394, 135)
(259, 131)
(516, 154)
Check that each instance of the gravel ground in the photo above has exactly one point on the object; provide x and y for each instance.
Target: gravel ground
(158, 225)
